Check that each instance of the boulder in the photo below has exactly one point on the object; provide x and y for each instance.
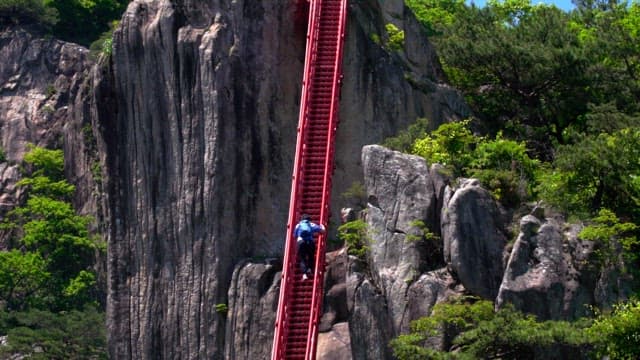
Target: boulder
(473, 234)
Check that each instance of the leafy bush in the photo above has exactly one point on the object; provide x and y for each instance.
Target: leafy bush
(502, 165)
(354, 235)
(103, 46)
(396, 38)
(85, 21)
(617, 335)
(25, 12)
(598, 171)
(405, 139)
(435, 14)
(451, 145)
(49, 229)
(612, 239)
(3, 156)
(22, 278)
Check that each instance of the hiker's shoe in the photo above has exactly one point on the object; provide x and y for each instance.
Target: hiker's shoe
(304, 277)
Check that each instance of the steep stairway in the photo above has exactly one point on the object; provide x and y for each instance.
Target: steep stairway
(300, 302)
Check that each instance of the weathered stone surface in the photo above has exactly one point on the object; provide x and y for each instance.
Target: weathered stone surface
(547, 273)
(39, 79)
(474, 239)
(43, 102)
(428, 290)
(335, 344)
(370, 325)
(335, 299)
(253, 299)
(400, 193)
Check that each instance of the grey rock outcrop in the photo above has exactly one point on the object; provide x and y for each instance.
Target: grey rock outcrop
(253, 299)
(473, 233)
(401, 197)
(403, 276)
(547, 274)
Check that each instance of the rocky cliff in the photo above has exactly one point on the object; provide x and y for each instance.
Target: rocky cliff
(45, 101)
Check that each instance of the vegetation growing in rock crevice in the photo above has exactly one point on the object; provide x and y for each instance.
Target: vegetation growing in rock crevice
(354, 235)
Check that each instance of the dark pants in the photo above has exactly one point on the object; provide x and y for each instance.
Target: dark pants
(306, 254)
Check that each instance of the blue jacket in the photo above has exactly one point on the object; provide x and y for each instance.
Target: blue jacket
(315, 228)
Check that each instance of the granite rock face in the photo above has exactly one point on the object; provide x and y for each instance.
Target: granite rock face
(473, 233)
(44, 100)
(251, 312)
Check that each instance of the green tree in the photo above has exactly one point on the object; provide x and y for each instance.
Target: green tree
(481, 333)
(451, 145)
(68, 335)
(616, 242)
(598, 171)
(84, 21)
(435, 14)
(521, 68)
(26, 12)
(48, 226)
(617, 335)
(22, 277)
(354, 235)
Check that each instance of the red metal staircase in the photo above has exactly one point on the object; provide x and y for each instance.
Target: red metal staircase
(300, 303)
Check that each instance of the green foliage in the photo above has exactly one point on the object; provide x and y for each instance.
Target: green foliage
(26, 12)
(483, 333)
(435, 15)
(423, 233)
(22, 278)
(354, 235)
(3, 156)
(396, 38)
(84, 21)
(598, 171)
(405, 139)
(103, 46)
(520, 67)
(222, 308)
(502, 165)
(44, 186)
(44, 335)
(613, 239)
(451, 145)
(45, 162)
(617, 335)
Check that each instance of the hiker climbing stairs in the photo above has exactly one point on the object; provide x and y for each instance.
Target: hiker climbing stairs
(300, 302)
